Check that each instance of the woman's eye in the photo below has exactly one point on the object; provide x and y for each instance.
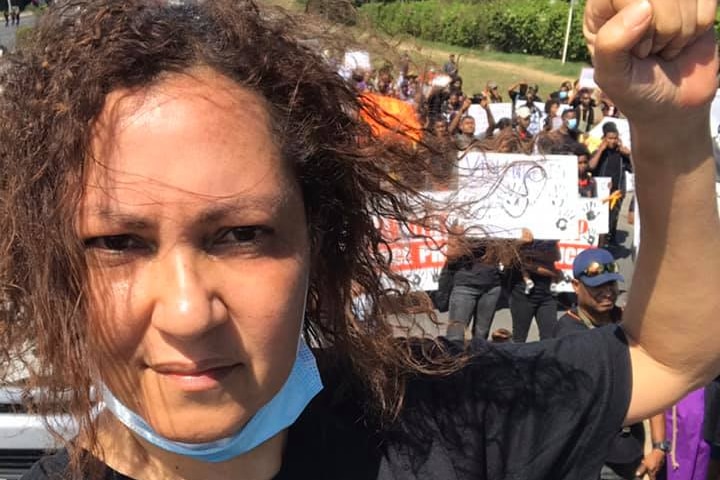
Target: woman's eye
(115, 243)
(240, 235)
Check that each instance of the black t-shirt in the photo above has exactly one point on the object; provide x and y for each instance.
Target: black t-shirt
(567, 325)
(472, 271)
(627, 446)
(538, 253)
(614, 164)
(543, 410)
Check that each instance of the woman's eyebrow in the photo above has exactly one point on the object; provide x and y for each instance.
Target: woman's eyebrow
(214, 213)
(229, 207)
(131, 221)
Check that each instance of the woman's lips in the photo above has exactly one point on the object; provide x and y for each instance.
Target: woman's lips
(194, 380)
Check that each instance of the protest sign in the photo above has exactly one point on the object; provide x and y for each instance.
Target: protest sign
(357, 60)
(629, 182)
(418, 253)
(593, 217)
(499, 110)
(603, 185)
(500, 194)
(587, 78)
(593, 220)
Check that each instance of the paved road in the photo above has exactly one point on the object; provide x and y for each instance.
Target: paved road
(7, 34)
(622, 254)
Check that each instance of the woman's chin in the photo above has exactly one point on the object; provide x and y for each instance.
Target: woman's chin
(201, 428)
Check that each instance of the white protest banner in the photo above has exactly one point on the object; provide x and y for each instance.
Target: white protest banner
(500, 194)
(418, 253)
(629, 182)
(481, 119)
(568, 251)
(357, 60)
(587, 78)
(603, 185)
(593, 217)
(499, 110)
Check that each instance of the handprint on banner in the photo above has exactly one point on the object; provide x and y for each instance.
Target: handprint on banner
(436, 275)
(565, 219)
(590, 212)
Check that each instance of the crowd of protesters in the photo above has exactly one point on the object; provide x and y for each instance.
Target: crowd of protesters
(559, 122)
(683, 443)
(439, 97)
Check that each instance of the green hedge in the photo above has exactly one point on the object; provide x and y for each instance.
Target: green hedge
(535, 27)
(459, 24)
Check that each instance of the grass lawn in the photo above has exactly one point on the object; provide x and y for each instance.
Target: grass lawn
(547, 65)
(477, 67)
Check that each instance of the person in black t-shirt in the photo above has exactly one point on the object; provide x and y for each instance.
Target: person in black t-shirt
(596, 285)
(530, 294)
(190, 196)
(475, 288)
(612, 159)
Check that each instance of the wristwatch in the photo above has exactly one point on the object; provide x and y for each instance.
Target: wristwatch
(663, 446)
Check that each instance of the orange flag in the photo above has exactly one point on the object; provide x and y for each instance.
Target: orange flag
(389, 116)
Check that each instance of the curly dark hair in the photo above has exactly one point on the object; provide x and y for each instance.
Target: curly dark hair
(54, 90)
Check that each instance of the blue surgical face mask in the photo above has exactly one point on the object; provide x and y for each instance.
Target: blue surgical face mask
(279, 413)
(572, 123)
(562, 94)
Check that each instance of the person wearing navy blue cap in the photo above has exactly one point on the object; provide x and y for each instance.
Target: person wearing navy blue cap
(596, 266)
(596, 285)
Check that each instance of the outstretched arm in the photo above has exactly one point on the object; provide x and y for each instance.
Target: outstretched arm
(658, 63)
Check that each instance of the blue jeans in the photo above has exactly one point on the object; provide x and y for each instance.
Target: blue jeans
(467, 302)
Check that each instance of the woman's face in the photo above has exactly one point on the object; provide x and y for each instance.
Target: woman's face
(198, 254)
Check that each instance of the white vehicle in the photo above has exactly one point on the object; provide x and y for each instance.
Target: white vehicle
(24, 437)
